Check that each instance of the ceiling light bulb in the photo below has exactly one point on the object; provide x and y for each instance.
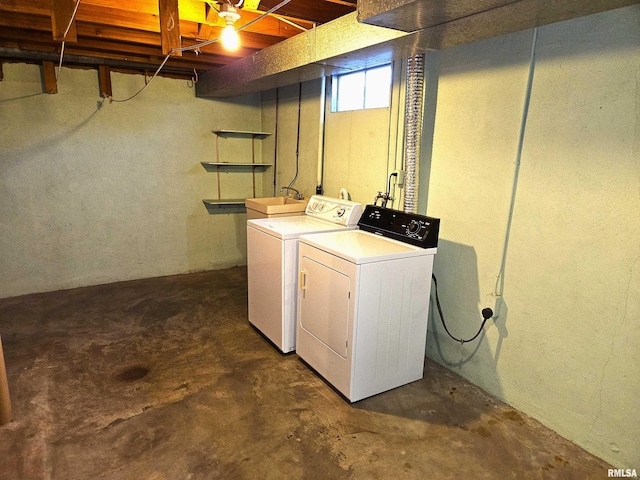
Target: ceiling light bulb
(230, 39)
(230, 14)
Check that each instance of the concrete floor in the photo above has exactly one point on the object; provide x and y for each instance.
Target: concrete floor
(165, 379)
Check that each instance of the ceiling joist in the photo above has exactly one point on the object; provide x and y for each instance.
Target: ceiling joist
(49, 77)
(104, 77)
(139, 31)
(63, 25)
(170, 27)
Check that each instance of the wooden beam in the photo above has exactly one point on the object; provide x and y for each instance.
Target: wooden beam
(49, 77)
(104, 74)
(35, 7)
(317, 11)
(182, 66)
(37, 29)
(101, 17)
(170, 27)
(205, 30)
(343, 2)
(210, 56)
(61, 14)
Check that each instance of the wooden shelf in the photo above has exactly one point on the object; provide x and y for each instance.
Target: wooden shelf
(231, 202)
(224, 206)
(214, 166)
(240, 133)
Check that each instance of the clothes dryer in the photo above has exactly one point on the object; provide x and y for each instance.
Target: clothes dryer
(363, 301)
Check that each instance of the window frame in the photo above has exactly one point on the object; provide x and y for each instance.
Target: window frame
(335, 89)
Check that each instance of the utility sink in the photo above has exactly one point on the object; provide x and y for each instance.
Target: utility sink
(274, 207)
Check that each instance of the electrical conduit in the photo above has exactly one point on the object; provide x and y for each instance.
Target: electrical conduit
(499, 285)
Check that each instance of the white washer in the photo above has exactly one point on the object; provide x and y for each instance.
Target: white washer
(363, 302)
(272, 263)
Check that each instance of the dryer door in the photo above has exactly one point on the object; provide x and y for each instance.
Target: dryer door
(324, 304)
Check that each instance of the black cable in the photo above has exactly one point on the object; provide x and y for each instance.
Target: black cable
(487, 313)
(298, 135)
(394, 174)
(275, 146)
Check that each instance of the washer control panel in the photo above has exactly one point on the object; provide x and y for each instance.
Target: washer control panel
(411, 228)
(335, 210)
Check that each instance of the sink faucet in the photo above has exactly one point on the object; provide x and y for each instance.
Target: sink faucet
(385, 197)
(297, 195)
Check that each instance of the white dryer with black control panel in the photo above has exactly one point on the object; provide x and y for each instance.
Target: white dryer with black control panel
(363, 301)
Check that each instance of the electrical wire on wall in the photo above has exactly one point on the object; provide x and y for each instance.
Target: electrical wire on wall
(498, 289)
(393, 139)
(321, 135)
(275, 143)
(197, 47)
(295, 177)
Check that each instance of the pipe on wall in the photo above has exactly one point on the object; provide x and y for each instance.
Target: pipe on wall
(413, 130)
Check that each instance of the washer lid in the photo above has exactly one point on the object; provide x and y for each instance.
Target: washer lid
(286, 228)
(359, 247)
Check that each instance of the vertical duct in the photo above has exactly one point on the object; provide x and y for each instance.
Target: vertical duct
(413, 130)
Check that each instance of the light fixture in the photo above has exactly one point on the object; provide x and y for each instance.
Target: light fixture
(230, 39)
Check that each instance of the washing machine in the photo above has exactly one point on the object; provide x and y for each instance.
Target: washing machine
(363, 301)
(272, 261)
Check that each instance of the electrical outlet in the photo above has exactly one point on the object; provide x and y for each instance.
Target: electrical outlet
(494, 302)
(399, 179)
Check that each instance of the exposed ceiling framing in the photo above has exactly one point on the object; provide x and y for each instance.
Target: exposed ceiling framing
(129, 35)
(134, 36)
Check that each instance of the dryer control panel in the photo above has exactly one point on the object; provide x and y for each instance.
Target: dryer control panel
(411, 228)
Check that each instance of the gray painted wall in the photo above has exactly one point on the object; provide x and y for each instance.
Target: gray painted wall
(565, 348)
(292, 103)
(94, 192)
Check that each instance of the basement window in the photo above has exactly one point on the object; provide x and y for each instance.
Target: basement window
(370, 88)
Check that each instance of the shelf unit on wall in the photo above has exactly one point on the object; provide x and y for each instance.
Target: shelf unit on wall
(237, 204)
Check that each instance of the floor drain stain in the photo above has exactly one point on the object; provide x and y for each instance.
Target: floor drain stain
(132, 374)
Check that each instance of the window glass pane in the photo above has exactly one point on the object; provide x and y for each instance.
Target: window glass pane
(378, 87)
(364, 89)
(351, 91)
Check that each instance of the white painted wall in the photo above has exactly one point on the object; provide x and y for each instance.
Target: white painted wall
(308, 98)
(94, 192)
(361, 147)
(565, 348)
(357, 148)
